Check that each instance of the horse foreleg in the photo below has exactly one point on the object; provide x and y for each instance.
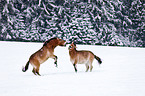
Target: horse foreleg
(55, 60)
(75, 67)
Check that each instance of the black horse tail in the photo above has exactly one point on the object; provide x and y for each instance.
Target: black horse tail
(97, 58)
(24, 69)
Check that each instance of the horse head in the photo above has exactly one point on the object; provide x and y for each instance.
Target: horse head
(61, 42)
(72, 46)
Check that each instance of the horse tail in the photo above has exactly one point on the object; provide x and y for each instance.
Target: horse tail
(99, 59)
(24, 69)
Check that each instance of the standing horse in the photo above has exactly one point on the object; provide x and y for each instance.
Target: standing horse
(47, 51)
(82, 57)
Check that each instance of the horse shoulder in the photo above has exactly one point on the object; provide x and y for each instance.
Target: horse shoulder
(73, 56)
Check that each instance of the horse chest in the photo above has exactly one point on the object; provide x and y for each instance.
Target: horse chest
(48, 54)
(82, 60)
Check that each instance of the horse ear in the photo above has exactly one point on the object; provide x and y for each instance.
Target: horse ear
(74, 43)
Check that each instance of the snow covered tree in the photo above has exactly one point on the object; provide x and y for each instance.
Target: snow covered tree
(107, 22)
(137, 17)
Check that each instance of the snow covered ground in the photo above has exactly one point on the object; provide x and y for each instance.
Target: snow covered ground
(122, 72)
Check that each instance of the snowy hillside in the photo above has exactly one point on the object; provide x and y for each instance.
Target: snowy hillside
(121, 73)
(101, 22)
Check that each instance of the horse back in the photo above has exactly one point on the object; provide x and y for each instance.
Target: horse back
(84, 56)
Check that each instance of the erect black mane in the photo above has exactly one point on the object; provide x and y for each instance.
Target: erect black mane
(75, 43)
(45, 43)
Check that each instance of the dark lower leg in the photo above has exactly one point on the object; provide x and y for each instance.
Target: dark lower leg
(37, 71)
(55, 61)
(75, 67)
(34, 71)
(87, 68)
(91, 68)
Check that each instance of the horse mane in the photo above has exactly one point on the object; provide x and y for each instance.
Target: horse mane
(45, 43)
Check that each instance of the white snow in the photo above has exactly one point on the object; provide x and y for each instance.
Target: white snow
(122, 72)
(39, 3)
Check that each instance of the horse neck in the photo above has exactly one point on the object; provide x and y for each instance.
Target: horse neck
(73, 52)
(52, 45)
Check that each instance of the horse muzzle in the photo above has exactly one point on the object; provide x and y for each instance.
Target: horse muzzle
(64, 44)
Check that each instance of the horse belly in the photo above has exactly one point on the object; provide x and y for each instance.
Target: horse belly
(41, 60)
(83, 59)
(43, 57)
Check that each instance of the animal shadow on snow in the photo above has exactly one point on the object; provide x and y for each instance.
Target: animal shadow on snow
(71, 73)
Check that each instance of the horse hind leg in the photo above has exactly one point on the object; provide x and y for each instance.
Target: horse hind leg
(36, 68)
(34, 71)
(91, 67)
(90, 63)
(37, 71)
(87, 67)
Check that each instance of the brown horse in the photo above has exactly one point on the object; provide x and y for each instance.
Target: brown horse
(82, 57)
(47, 51)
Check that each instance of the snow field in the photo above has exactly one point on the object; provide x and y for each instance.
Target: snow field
(120, 74)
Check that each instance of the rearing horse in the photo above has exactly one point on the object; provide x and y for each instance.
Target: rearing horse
(47, 51)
